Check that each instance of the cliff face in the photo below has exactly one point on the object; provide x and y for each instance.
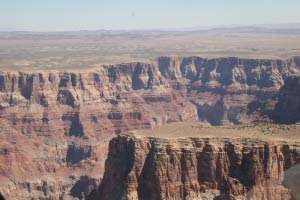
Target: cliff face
(196, 168)
(67, 118)
(287, 109)
(246, 87)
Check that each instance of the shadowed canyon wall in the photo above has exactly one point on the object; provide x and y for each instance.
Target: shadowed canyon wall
(287, 109)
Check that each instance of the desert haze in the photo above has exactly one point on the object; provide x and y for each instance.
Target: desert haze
(87, 49)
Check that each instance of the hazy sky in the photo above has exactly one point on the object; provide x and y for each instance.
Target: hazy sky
(55, 15)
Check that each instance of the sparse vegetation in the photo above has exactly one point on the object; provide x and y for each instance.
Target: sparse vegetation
(276, 132)
(85, 51)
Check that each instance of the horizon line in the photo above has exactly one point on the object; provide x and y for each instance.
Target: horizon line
(194, 28)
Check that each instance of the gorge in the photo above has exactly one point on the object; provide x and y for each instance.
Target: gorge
(56, 126)
(241, 162)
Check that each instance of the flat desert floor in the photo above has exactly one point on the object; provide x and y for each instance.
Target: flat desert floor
(88, 49)
(263, 132)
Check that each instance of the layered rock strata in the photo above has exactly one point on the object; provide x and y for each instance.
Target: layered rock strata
(56, 125)
(153, 167)
(247, 87)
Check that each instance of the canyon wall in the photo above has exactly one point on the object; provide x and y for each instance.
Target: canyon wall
(197, 168)
(287, 109)
(55, 126)
(246, 89)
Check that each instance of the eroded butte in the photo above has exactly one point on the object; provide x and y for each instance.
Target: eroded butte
(226, 162)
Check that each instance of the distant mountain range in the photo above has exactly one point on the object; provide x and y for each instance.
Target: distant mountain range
(270, 26)
(279, 26)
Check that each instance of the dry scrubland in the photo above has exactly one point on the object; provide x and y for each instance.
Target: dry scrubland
(88, 49)
(264, 132)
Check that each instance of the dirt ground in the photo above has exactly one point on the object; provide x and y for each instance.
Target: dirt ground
(264, 132)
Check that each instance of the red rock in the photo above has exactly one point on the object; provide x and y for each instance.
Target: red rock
(191, 168)
(42, 114)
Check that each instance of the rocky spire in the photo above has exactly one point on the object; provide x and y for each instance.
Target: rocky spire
(224, 120)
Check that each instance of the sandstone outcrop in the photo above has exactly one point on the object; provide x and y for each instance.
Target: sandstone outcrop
(248, 87)
(199, 167)
(56, 125)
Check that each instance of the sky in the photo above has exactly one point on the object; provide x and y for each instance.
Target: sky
(67, 15)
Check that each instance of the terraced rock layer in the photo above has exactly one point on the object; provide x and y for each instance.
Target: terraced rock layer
(55, 126)
(195, 167)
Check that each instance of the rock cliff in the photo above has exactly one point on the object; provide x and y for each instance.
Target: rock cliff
(246, 87)
(287, 109)
(200, 166)
(56, 126)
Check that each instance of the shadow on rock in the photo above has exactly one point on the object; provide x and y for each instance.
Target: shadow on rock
(291, 180)
(1, 197)
(84, 186)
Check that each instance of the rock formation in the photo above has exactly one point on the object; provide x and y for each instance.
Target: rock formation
(288, 107)
(247, 86)
(151, 167)
(56, 126)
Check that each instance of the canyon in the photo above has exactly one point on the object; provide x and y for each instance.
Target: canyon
(208, 163)
(56, 126)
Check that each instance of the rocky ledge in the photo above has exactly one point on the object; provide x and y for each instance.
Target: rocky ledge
(55, 126)
(240, 162)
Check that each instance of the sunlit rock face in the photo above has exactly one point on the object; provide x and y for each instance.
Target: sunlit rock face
(55, 126)
(198, 168)
(247, 88)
